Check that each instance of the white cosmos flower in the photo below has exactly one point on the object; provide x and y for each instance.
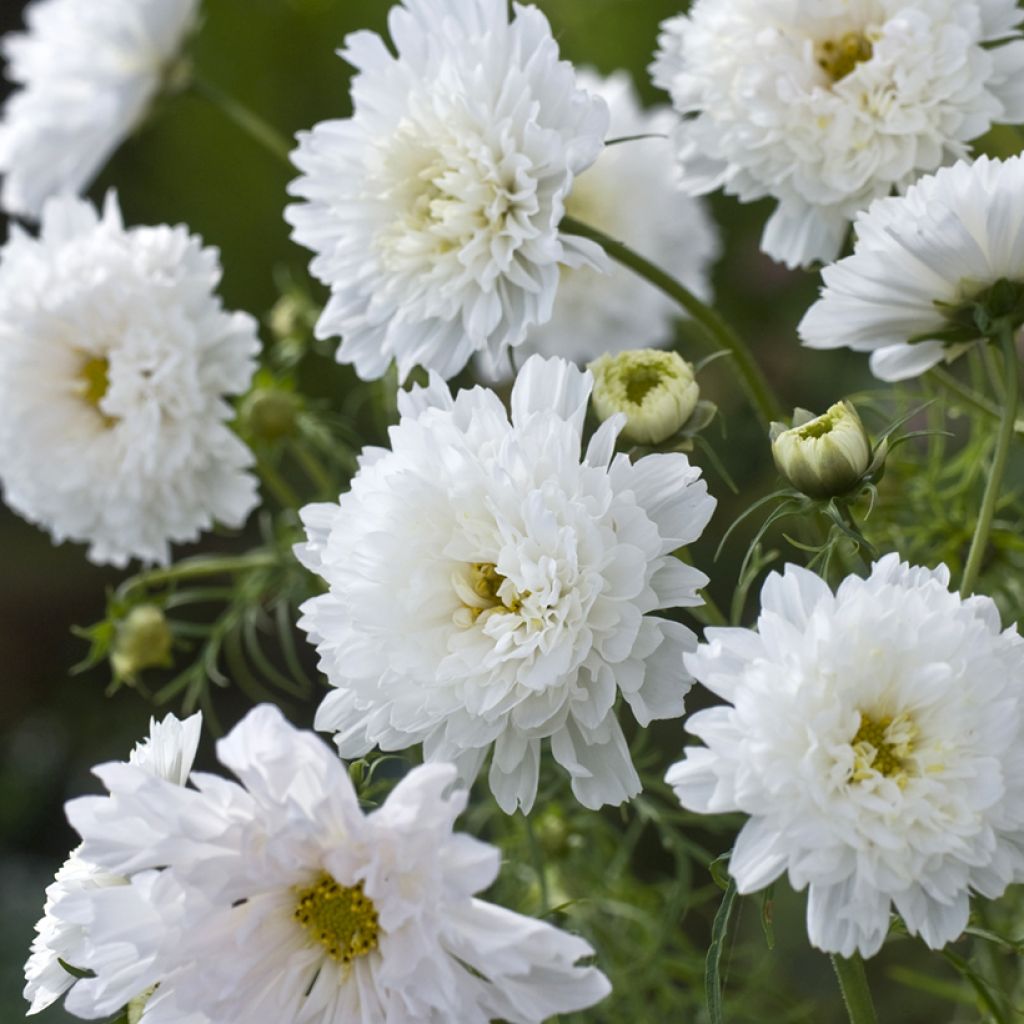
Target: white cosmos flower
(825, 105)
(167, 753)
(434, 209)
(919, 261)
(85, 73)
(630, 194)
(493, 585)
(116, 356)
(876, 739)
(284, 903)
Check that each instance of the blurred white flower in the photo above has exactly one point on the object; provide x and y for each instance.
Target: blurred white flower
(876, 738)
(826, 105)
(630, 194)
(115, 359)
(920, 265)
(434, 209)
(167, 753)
(286, 904)
(85, 73)
(492, 585)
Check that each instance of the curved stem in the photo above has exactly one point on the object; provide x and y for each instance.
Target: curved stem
(758, 390)
(972, 399)
(252, 124)
(202, 566)
(853, 982)
(1004, 438)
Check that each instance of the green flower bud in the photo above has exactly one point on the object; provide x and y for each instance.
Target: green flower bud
(143, 640)
(268, 414)
(822, 456)
(656, 390)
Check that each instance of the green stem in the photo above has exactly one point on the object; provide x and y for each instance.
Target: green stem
(758, 390)
(199, 568)
(537, 856)
(252, 124)
(283, 491)
(853, 982)
(314, 469)
(1004, 438)
(974, 401)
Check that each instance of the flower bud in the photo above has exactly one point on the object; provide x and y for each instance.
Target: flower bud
(822, 456)
(143, 640)
(268, 414)
(656, 390)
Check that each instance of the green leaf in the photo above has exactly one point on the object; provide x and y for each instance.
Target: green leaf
(712, 966)
(981, 987)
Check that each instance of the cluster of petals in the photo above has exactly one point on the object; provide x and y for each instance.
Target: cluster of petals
(116, 359)
(222, 875)
(62, 933)
(85, 73)
(875, 736)
(920, 259)
(434, 210)
(492, 584)
(630, 194)
(826, 105)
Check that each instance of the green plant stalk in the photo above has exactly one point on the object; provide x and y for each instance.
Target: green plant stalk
(283, 491)
(537, 856)
(974, 401)
(252, 124)
(1004, 438)
(198, 568)
(853, 982)
(753, 380)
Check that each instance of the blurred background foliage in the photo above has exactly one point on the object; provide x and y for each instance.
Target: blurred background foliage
(635, 880)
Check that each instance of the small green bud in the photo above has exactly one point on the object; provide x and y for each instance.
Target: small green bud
(822, 456)
(269, 414)
(143, 640)
(656, 390)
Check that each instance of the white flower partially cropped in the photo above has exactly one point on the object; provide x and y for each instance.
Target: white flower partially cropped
(826, 105)
(167, 753)
(919, 262)
(434, 209)
(281, 902)
(630, 194)
(876, 739)
(116, 357)
(493, 585)
(85, 73)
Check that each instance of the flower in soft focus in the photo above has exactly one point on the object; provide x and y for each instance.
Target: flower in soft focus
(142, 640)
(434, 210)
(85, 73)
(825, 105)
(492, 585)
(630, 194)
(167, 753)
(938, 266)
(284, 902)
(823, 456)
(116, 357)
(656, 391)
(876, 739)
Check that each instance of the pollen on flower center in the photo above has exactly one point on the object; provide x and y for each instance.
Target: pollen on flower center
(883, 745)
(838, 57)
(340, 917)
(94, 379)
(481, 588)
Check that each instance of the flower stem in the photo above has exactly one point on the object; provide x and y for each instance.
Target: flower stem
(758, 390)
(853, 983)
(202, 566)
(1004, 438)
(276, 484)
(537, 856)
(251, 123)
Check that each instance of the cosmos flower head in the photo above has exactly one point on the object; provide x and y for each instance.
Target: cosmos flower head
(874, 736)
(116, 363)
(166, 753)
(434, 210)
(924, 267)
(826, 105)
(85, 74)
(494, 586)
(277, 900)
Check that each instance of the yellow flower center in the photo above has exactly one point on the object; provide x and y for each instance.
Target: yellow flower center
(883, 745)
(94, 380)
(481, 588)
(838, 57)
(340, 917)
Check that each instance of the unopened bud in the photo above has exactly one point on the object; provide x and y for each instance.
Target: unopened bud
(268, 414)
(656, 390)
(143, 640)
(822, 456)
